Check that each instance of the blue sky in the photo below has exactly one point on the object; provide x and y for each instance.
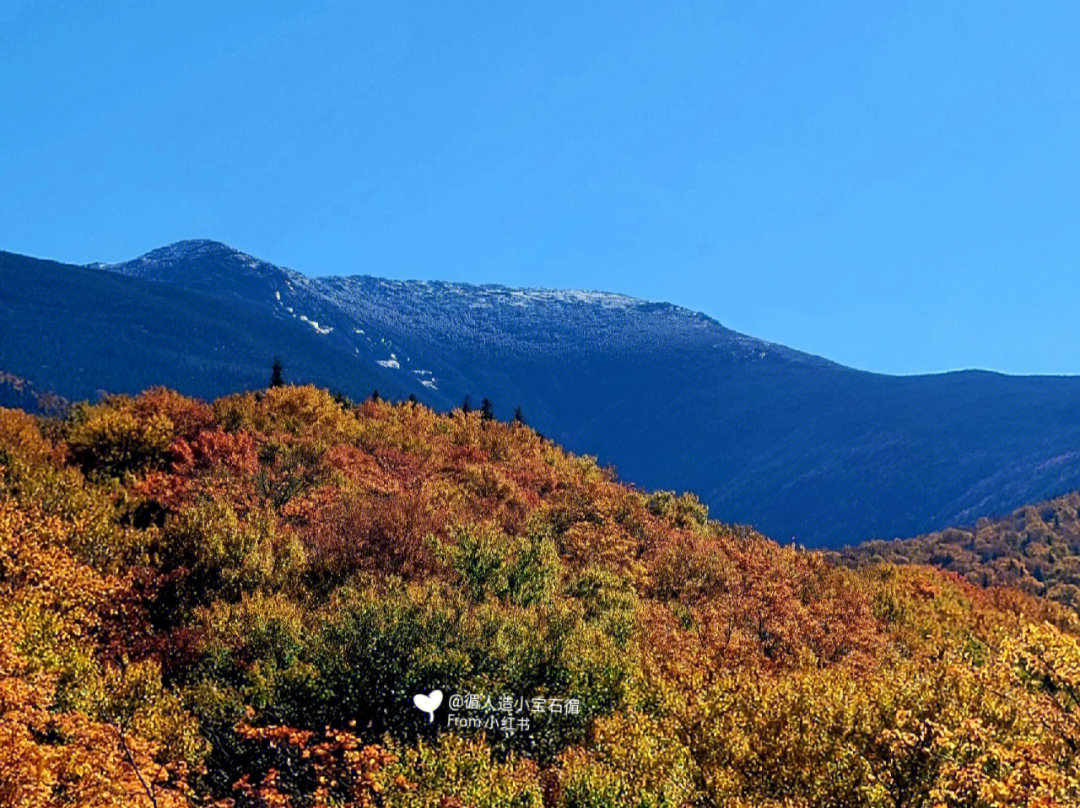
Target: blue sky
(893, 185)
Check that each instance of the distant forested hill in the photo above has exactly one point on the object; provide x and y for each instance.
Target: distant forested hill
(793, 444)
(1036, 548)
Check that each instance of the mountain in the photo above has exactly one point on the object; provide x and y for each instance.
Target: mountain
(793, 444)
(1035, 548)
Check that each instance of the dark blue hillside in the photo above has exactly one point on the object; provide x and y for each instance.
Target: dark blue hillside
(80, 331)
(797, 445)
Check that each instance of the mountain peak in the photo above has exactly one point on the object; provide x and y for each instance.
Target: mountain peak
(193, 248)
(187, 250)
(207, 265)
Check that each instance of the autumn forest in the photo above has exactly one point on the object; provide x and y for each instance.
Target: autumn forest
(252, 603)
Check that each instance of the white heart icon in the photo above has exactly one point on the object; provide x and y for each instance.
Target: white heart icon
(429, 703)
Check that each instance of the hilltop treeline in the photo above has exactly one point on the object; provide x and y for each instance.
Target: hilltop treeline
(234, 604)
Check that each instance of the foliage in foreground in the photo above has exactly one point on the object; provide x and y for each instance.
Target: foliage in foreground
(234, 604)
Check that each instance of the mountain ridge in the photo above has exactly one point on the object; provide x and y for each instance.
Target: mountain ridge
(160, 265)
